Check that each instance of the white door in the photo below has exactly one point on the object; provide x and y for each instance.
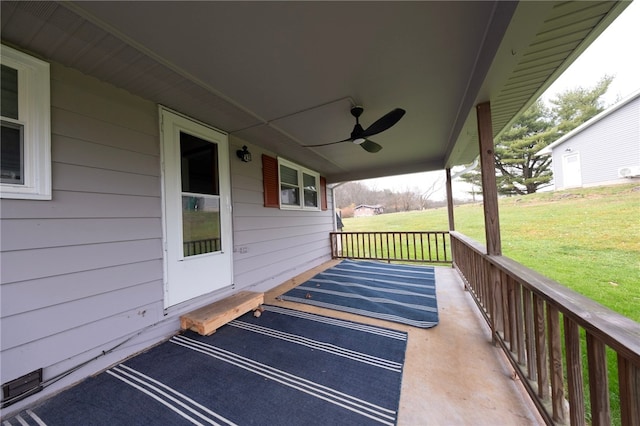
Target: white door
(571, 170)
(197, 209)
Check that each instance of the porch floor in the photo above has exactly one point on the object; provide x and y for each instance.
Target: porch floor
(453, 374)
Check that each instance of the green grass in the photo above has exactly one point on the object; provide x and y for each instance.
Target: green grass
(585, 239)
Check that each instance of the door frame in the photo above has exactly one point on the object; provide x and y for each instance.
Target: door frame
(174, 185)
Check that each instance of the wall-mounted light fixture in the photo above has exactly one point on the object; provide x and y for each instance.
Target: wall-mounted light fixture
(244, 154)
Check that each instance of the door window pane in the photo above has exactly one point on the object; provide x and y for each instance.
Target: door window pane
(12, 154)
(200, 225)
(199, 165)
(200, 196)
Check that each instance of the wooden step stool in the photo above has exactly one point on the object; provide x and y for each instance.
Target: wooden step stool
(208, 319)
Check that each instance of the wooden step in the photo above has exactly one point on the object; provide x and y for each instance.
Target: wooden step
(208, 319)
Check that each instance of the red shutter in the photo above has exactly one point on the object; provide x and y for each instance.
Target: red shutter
(323, 195)
(270, 181)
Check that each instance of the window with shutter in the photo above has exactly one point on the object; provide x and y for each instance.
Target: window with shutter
(290, 186)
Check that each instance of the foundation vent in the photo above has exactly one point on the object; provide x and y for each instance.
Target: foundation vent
(21, 387)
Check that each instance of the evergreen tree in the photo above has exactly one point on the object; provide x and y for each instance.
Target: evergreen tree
(518, 169)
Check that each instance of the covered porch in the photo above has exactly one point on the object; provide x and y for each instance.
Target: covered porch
(453, 373)
(281, 80)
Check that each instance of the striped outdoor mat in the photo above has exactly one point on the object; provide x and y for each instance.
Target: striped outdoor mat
(400, 293)
(284, 368)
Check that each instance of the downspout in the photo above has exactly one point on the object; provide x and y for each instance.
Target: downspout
(450, 179)
(333, 203)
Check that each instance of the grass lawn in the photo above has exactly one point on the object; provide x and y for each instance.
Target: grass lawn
(585, 239)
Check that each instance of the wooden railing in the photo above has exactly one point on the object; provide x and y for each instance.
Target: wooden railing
(401, 246)
(529, 314)
(195, 247)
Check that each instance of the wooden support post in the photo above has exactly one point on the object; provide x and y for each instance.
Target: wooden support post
(489, 187)
(452, 226)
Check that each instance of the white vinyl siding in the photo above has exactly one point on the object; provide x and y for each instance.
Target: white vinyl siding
(272, 245)
(26, 132)
(604, 147)
(83, 271)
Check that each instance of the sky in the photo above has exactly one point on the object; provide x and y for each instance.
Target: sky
(614, 53)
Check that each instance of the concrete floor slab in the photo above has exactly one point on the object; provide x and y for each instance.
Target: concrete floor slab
(453, 374)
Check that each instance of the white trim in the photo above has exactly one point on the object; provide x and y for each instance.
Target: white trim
(187, 278)
(34, 104)
(301, 170)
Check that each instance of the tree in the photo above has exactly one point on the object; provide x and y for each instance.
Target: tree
(573, 107)
(519, 170)
(474, 179)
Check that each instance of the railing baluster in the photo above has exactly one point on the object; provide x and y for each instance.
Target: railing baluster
(532, 371)
(575, 383)
(540, 343)
(555, 362)
(629, 379)
(598, 381)
(409, 246)
(519, 322)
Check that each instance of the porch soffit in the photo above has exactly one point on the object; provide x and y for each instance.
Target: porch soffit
(284, 74)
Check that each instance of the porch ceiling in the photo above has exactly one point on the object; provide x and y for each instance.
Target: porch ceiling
(285, 74)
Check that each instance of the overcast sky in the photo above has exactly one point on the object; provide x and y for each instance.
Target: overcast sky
(614, 53)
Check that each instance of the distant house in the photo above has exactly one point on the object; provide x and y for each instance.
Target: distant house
(367, 210)
(604, 150)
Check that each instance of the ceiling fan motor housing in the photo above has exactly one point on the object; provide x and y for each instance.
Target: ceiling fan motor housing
(356, 111)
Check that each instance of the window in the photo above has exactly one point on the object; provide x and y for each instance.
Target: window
(272, 184)
(299, 187)
(25, 147)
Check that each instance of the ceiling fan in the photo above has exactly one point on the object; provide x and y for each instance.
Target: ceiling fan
(359, 135)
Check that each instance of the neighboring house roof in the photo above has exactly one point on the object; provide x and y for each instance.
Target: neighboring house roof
(367, 206)
(549, 148)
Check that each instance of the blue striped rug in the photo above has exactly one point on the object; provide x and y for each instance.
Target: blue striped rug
(399, 293)
(284, 368)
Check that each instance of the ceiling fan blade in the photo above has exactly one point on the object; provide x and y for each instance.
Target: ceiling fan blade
(383, 123)
(327, 144)
(370, 146)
